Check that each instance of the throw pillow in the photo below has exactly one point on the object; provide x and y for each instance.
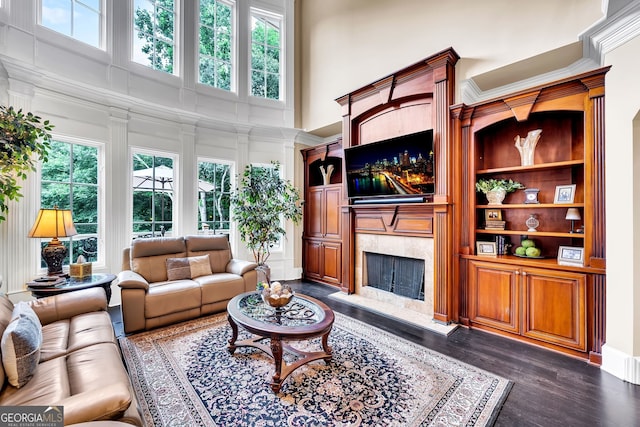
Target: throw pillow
(21, 342)
(200, 266)
(188, 268)
(178, 269)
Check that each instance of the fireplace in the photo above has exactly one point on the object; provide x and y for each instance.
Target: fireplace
(396, 270)
(401, 276)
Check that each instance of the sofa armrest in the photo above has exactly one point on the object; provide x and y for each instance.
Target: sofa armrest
(128, 279)
(64, 306)
(240, 267)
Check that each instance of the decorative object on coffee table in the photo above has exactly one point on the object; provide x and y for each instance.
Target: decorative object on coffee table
(527, 146)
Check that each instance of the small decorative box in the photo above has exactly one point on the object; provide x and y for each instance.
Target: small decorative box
(80, 270)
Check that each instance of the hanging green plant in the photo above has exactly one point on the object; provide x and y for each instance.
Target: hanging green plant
(22, 135)
(260, 204)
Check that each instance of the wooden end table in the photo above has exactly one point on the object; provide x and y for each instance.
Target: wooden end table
(303, 318)
(75, 284)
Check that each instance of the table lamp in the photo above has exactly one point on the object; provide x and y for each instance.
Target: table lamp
(53, 223)
(573, 214)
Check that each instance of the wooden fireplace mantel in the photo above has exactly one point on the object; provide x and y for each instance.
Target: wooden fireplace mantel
(414, 99)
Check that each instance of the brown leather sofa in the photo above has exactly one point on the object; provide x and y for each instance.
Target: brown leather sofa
(80, 366)
(150, 299)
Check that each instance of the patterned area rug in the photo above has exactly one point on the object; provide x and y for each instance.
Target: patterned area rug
(183, 375)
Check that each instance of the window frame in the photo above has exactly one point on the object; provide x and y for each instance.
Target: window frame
(232, 174)
(102, 30)
(176, 60)
(175, 183)
(268, 16)
(101, 202)
(233, 88)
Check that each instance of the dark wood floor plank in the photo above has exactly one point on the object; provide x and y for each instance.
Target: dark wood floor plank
(550, 389)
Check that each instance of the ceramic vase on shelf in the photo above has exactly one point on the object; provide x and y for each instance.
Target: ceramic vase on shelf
(532, 222)
(495, 197)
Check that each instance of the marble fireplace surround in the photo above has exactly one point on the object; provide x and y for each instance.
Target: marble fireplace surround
(413, 311)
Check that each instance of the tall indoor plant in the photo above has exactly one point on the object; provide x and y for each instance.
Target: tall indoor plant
(263, 200)
(22, 135)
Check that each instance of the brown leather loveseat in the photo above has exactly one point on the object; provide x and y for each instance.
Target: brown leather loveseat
(67, 357)
(165, 280)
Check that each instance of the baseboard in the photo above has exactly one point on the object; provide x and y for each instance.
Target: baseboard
(620, 364)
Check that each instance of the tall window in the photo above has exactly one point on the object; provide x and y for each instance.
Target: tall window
(71, 180)
(266, 50)
(153, 181)
(154, 29)
(80, 19)
(214, 190)
(216, 43)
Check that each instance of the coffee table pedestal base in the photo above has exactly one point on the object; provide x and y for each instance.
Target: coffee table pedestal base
(276, 350)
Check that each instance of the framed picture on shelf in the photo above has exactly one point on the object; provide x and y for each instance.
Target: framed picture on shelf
(493, 215)
(564, 194)
(569, 255)
(486, 248)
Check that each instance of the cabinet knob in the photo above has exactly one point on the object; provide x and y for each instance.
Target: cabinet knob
(517, 272)
(524, 273)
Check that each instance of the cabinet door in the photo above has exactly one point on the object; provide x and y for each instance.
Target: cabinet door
(312, 259)
(331, 262)
(332, 202)
(315, 213)
(554, 307)
(494, 295)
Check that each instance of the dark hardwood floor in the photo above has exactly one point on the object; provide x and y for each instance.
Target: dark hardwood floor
(550, 389)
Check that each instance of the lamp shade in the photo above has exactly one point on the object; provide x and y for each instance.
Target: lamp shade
(573, 214)
(53, 223)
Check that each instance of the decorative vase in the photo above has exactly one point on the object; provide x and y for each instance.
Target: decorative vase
(527, 146)
(532, 222)
(495, 197)
(264, 273)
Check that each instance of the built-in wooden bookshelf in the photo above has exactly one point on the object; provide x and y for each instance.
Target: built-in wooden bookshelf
(532, 299)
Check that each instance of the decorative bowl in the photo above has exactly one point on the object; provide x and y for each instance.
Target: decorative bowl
(275, 300)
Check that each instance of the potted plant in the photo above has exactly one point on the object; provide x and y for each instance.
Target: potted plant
(497, 189)
(259, 206)
(21, 136)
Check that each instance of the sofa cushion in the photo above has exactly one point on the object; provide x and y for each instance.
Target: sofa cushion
(188, 268)
(216, 246)
(21, 342)
(50, 384)
(172, 297)
(83, 330)
(149, 256)
(220, 287)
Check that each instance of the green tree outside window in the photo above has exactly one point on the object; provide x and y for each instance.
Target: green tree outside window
(216, 43)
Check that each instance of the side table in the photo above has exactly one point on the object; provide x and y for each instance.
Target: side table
(74, 284)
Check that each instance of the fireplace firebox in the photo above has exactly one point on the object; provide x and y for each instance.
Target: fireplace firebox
(396, 274)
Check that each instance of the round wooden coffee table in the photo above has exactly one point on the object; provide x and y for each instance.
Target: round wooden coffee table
(303, 318)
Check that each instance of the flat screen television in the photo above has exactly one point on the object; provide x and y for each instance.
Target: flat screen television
(391, 170)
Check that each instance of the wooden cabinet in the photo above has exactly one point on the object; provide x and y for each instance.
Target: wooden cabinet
(540, 304)
(322, 254)
(323, 207)
(536, 299)
(323, 261)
